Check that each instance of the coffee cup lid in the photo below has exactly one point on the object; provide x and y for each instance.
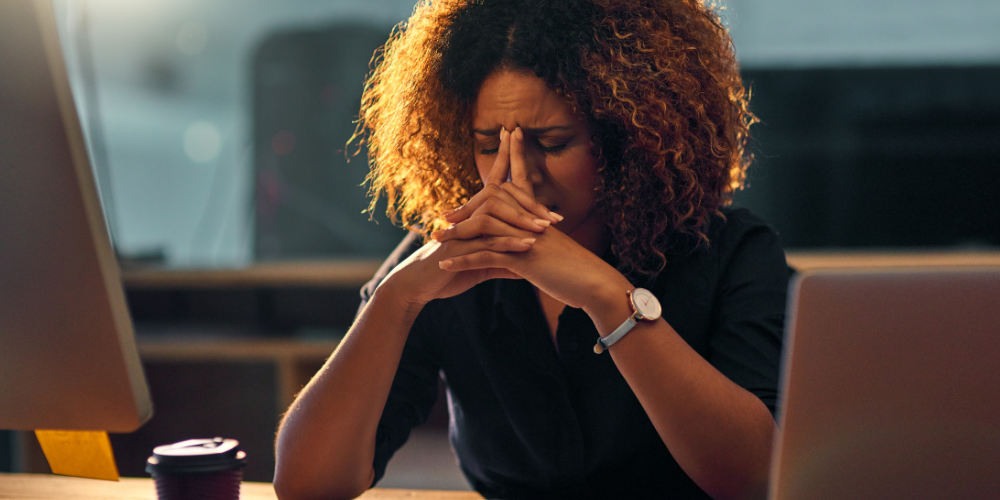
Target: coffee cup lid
(196, 455)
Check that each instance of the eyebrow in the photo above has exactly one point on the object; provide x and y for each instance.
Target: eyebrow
(530, 130)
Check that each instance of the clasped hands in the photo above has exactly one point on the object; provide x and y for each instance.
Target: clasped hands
(503, 218)
(502, 232)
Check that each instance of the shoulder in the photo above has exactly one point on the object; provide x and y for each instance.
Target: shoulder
(735, 223)
(739, 242)
(737, 230)
(745, 246)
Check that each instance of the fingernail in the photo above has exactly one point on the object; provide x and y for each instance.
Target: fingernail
(437, 234)
(555, 216)
(445, 264)
(528, 241)
(518, 133)
(542, 222)
(449, 212)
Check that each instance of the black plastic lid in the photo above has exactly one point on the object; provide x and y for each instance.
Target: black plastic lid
(196, 456)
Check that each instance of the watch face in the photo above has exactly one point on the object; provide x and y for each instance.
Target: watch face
(646, 304)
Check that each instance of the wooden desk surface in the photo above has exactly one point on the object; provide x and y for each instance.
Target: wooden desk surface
(50, 487)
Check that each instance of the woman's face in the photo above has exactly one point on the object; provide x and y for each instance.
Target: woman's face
(557, 148)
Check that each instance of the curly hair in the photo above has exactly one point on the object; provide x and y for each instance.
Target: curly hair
(657, 79)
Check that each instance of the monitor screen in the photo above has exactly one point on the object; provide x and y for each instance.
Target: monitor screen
(68, 358)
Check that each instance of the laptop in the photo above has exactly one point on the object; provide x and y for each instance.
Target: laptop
(891, 386)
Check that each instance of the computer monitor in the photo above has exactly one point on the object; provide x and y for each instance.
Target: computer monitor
(68, 358)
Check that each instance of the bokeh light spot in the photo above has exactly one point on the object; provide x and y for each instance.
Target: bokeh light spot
(202, 142)
(283, 142)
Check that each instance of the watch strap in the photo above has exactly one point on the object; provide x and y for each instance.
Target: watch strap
(604, 343)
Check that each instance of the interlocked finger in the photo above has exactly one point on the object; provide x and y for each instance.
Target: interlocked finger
(491, 245)
(502, 208)
(485, 225)
(527, 201)
(483, 259)
(507, 192)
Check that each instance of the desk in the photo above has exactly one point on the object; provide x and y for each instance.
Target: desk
(49, 487)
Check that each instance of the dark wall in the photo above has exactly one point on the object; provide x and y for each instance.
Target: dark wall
(6, 451)
(307, 87)
(885, 157)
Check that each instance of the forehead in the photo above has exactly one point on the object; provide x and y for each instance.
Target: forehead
(519, 99)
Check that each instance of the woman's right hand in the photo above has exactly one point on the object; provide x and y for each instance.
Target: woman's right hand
(506, 217)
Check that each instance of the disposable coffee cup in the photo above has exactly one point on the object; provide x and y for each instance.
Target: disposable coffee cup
(198, 469)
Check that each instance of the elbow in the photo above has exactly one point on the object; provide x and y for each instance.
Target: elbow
(740, 483)
(287, 488)
(749, 486)
(744, 479)
(743, 490)
(293, 485)
(304, 472)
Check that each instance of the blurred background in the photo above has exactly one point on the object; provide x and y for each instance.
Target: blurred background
(218, 133)
(219, 128)
(880, 121)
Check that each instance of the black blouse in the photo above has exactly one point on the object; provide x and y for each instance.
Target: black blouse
(533, 420)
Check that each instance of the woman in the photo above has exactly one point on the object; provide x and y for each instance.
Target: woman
(578, 149)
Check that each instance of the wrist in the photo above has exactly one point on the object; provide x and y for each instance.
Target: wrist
(393, 294)
(609, 305)
(645, 308)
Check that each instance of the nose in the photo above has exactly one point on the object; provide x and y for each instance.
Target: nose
(535, 176)
(532, 169)
(534, 164)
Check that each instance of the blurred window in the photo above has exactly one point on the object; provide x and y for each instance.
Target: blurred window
(218, 129)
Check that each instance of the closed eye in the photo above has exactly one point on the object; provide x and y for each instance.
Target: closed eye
(552, 149)
(488, 147)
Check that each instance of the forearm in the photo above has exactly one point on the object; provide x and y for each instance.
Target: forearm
(718, 432)
(326, 442)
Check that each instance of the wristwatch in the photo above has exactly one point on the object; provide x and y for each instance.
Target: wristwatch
(644, 307)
